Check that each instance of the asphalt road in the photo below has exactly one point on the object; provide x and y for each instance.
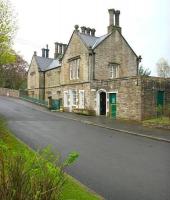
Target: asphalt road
(118, 166)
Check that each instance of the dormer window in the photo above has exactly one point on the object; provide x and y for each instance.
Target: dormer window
(113, 70)
(74, 68)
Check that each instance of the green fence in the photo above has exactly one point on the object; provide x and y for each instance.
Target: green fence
(34, 100)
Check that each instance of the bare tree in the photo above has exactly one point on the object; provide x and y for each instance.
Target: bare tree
(163, 68)
(144, 71)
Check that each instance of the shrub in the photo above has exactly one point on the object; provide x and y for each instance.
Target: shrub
(28, 176)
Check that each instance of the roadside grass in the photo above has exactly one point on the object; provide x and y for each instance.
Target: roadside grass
(70, 188)
(161, 121)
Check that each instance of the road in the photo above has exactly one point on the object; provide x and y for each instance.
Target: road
(117, 166)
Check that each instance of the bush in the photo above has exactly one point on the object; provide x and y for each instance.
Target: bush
(28, 176)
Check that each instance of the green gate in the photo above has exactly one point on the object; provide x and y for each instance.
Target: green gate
(112, 105)
(160, 98)
(55, 104)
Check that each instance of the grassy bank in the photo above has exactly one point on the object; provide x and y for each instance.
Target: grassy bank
(15, 153)
(160, 122)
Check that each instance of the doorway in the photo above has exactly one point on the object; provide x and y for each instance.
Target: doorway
(103, 103)
(112, 105)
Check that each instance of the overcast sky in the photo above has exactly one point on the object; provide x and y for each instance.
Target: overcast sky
(145, 24)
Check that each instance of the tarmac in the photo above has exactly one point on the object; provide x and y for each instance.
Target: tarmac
(122, 126)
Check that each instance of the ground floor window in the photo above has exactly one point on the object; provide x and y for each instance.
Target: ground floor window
(81, 99)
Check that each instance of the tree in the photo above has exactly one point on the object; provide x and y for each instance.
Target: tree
(144, 72)
(14, 75)
(7, 32)
(163, 68)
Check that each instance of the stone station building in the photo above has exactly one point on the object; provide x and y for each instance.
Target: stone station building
(97, 75)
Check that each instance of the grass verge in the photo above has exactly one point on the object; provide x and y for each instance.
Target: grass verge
(71, 189)
(162, 122)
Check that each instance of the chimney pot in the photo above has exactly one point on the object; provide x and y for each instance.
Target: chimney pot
(35, 53)
(117, 13)
(76, 27)
(111, 16)
(88, 31)
(43, 52)
(83, 29)
(93, 32)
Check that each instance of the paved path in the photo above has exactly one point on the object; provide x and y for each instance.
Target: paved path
(117, 166)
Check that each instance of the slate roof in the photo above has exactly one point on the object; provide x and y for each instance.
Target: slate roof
(45, 64)
(92, 41)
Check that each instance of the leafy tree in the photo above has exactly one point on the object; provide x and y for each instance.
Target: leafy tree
(14, 75)
(163, 68)
(143, 72)
(7, 32)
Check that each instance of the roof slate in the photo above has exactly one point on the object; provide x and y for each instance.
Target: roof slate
(47, 63)
(92, 41)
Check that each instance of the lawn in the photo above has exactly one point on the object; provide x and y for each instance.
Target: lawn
(158, 122)
(71, 189)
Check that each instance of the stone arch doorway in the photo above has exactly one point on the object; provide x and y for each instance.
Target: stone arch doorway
(101, 102)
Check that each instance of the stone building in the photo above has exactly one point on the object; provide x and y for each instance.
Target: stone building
(98, 75)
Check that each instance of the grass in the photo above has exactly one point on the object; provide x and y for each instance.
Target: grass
(161, 121)
(71, 190)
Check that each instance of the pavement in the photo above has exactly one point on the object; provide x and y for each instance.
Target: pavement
(113, 163)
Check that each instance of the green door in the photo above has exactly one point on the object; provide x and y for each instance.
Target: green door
(160, 98)
(112, 105)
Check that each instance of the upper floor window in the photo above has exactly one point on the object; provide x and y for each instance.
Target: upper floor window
(74, 68)
(114, 70)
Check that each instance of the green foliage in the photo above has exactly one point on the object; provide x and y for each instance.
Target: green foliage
(7, 31)
(23, 176)
(160, 111)
(143, 72)
(22, 164)
(14, 75)
(163, 68)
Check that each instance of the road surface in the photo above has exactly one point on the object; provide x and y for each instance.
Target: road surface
(117, 166)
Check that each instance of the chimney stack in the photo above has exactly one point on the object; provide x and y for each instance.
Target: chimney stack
(59, 49)
(83, 29)
(47, 51)
(35, 53)
(93, 32)
(111, 17)
(88, 31)
(114, 20)
(43, 52)
(117, 13)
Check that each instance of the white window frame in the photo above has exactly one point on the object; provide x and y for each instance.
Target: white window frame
(74, 69)
(114, 70)
(81, 99)
(74, 97)
(66, 100)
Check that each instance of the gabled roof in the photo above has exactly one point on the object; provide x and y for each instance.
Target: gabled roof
(92, 41)
(45, 64)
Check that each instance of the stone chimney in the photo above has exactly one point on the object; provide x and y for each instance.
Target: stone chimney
(35, 53)
(93, 32)
(83, 29)
(43, 52)
(117, 13)
(59, 49)
(111, 17)
(114, 20)
(88, 30)
(76, 28)
(47, 51)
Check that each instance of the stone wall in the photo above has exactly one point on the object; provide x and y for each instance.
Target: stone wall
(150, 87)
(76, 48)
(115, 49)
(128, 96)
(9, 92)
